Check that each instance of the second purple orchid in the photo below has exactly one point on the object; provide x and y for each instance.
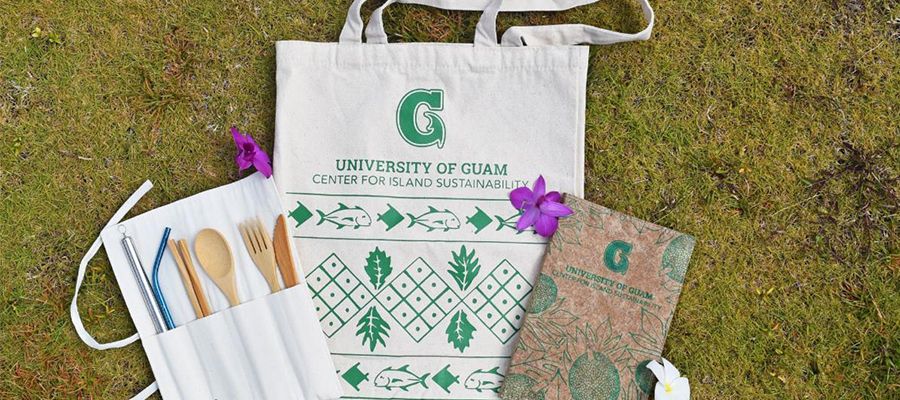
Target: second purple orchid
(250, 154)
(539, 208)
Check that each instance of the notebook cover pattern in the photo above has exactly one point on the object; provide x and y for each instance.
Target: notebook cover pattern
(601, 308)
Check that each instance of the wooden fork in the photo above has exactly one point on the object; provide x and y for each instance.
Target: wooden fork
(259, 245)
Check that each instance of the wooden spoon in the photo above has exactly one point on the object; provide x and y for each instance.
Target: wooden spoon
(215, 257)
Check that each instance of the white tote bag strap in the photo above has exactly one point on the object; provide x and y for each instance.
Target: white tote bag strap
(571, 34)
(82, 268)
(485, 32)
(564, 34)
(147, 392)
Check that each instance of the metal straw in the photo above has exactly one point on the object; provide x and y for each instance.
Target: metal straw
(156, 289)
(140, 278)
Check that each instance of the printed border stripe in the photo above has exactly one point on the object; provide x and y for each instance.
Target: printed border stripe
(413, 240)
(395, 197)
(412, 398)
(416, 356)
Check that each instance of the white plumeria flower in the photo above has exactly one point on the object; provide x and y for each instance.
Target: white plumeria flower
(671, 385)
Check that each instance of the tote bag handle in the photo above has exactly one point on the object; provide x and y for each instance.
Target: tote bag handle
(486, 33)
(352, 32)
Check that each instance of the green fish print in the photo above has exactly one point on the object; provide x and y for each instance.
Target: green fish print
(444, 378)
(509, 222)
(399, 378)
(479, 220)
(354, 217)
(354, 376)
(485, 380)
(435, 219)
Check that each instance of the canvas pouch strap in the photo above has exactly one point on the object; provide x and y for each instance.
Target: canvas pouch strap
(75, 315)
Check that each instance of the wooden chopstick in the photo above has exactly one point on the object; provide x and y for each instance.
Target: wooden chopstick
(185, 277)
(195, 280)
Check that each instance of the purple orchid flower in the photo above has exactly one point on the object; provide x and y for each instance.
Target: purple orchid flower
(539, 208)
(249, 154)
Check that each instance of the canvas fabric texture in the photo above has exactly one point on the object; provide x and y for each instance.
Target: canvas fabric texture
(395, 162)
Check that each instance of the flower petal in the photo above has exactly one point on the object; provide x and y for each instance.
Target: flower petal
(261, 162)
(553, 196)
(242, 161)
(519, 196)
(261, 155)
(555, 209)
(546, 225)
(540, 187)
(681, 389)
(671, 372)
(659, 393)
(528, 218)
(657, 369)
(239, 138)
(248, 141)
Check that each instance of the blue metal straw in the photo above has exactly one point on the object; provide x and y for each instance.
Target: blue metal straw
(156, 289)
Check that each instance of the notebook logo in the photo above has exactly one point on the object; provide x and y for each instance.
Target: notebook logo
(616, 256)
(415, 108)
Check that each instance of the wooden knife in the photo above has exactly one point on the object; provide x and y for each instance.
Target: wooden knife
(283, 255)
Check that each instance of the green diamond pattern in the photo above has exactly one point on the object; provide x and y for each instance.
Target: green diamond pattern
(418, 299)
(499, 301)
(338, 295)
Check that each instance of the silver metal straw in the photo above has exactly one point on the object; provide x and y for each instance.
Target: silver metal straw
(137, 269)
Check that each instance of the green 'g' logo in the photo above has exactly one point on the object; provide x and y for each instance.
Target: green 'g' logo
(616, 256)
(434, 132)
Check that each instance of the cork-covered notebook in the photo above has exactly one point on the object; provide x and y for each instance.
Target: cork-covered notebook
(601, 308)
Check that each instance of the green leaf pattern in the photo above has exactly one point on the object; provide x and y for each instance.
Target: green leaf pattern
(557, 337)
(460, 331)
(378, 267)
(464, 267)
(652, 336)
(373, 329)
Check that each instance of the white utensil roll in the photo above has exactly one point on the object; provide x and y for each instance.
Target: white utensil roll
(395, 162)
(270, 346)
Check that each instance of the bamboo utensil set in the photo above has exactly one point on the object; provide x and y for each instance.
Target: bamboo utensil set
(189, 277)
(216, 258)
(261, 251)
(283, 253)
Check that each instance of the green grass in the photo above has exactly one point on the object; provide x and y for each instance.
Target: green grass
(769, 130)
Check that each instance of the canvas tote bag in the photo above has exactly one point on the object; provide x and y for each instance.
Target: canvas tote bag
(395, 161)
